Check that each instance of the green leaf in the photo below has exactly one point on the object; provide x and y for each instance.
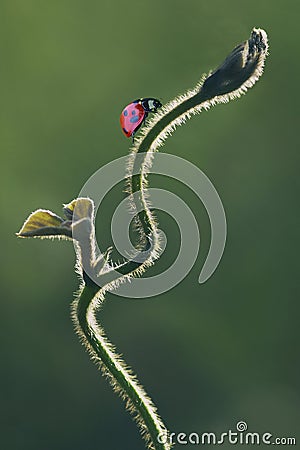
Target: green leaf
(80, 208)
(43, 223)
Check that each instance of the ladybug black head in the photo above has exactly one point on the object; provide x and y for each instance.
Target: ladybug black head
(150, 104)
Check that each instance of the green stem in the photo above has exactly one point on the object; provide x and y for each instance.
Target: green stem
(120, 376)
(240, 70)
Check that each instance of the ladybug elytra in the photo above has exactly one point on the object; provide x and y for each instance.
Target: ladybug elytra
(134, 114)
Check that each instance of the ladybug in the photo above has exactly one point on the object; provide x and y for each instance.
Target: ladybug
(134, 114)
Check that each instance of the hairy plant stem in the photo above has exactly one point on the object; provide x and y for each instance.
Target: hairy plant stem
(237, 73)
(112, 367)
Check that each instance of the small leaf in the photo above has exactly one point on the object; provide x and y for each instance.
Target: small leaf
(44, 223)
(81, 208)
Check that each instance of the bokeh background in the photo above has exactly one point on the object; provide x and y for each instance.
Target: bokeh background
(209, 355)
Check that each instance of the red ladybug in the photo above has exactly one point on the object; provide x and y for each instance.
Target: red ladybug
(134, 114)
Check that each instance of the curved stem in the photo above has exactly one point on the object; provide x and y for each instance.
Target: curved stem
(120, 376)
(240, 70)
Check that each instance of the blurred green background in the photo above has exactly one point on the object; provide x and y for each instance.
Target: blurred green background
(209, 355)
